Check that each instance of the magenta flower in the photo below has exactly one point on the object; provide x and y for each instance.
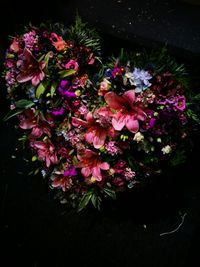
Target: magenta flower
(127, 111)
(70, 171)
(180, 103)
(72, 64)
(90, 162)
(58, 111)
(46, 152)
(98, 129)
(30, 69)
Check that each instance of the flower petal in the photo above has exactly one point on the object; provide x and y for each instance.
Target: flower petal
(114, 101)
(89, 137)
(118, 122)
(104, 166)
(23, 77)
(131, 124)
(86, 171)
(76, 122)
(99, 139)
(97, 173)
(129, 96)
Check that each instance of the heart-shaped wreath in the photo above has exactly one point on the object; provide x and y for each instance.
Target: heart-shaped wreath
(95, 128)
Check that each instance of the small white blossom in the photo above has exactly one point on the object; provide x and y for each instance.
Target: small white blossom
(138, 137)
(166, 150)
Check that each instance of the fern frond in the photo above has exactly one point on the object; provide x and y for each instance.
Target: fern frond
(84, 35)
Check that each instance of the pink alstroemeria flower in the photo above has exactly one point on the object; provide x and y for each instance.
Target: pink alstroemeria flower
(30, 68)
(90, 162)
(127, 111)
(98, 128)
(63, 179)
(46, 152)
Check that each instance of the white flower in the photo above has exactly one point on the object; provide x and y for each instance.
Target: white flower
(138, 137)
(166, 149)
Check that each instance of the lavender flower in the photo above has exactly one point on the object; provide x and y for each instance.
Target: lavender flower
(140, 79)
(112, 149)
(30, 40)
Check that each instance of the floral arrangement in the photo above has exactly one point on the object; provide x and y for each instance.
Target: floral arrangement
(96, 129)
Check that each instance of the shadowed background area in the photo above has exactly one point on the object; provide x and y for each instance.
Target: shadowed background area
(38, 231)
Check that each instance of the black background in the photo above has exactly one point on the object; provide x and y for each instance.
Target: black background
(35, 229)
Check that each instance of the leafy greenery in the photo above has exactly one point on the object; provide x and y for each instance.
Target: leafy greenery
(84, 35)
(21, 105)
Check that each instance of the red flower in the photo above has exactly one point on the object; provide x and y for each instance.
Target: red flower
(90, 162)
(127, 111)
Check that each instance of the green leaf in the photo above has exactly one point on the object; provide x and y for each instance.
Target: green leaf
(40, 89)
(24, 104)
(13, 113)
(96, 201)
(53, 88)
(84, 201)
(191, 114)
(21, 105)
(111, 193)
(66, 73)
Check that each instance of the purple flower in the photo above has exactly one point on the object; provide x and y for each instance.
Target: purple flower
(70, 171)
(64, 89)
(58, 112)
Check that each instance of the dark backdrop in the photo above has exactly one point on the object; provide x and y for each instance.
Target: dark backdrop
(38, 231)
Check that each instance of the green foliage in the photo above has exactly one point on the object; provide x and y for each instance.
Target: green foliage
(158, 59)
(21, 105)
(41, 89)
(192, 115)
(66, 73)
(84, 35)
(178, 158)
(94, 196)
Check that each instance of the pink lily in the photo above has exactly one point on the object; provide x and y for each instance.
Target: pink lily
(90, 162)
(46, 152)
(28, 120)
(127, 111)
(30, 69)
(98, 128)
